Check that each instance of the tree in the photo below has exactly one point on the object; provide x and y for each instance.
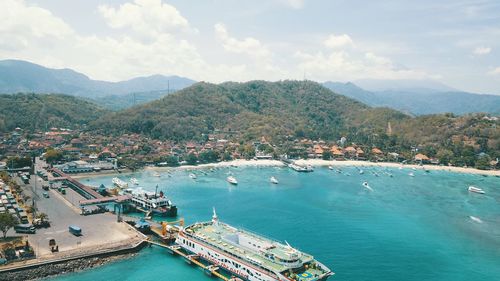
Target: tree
(7, 221)
(191, 159)
(53, 155)
(42, 216)
(327, 155)
(172, 161)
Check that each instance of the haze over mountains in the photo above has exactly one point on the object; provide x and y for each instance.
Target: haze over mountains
(22, 76)
(420, 100)
(415, 97)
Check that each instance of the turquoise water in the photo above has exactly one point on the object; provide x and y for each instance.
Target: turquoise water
(411, 228)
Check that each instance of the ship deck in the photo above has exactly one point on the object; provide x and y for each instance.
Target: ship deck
(223, 237)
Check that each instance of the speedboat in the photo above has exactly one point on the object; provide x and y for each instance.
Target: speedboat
(232, 180)
(274, 180)
(367, 186)
(193, 176)
(134, 181)
(411, 174)
(330, 167)
(476, 189)
(476, 219)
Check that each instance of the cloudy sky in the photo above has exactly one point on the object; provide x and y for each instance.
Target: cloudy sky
(456, 42)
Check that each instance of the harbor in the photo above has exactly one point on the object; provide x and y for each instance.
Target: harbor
(254, 185)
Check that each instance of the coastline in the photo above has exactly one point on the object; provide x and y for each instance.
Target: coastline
(312, 162)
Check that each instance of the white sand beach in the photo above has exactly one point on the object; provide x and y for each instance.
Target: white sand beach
(312, 162)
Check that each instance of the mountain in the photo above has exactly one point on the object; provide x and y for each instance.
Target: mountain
(21, 76)
(42, 111)
(119, 102)
(419, 101)
(411, 85)
(252, 109)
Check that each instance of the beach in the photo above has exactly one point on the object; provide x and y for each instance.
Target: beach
(312, 162)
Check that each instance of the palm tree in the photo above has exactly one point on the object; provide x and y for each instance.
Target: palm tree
(42, 216)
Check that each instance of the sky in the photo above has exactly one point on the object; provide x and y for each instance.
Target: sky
(455, 42)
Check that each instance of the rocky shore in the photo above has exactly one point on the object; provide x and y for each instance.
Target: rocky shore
(47, 270)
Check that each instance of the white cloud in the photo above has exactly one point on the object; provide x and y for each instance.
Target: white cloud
(151, 17)
(339, 41)
(351, 64)
(495, 71)
(482, 51)
(295, 4)
(249, 45)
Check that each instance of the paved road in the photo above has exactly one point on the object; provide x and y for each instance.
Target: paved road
(99, 231)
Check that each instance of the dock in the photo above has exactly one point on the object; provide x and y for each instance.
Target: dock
(194, 260)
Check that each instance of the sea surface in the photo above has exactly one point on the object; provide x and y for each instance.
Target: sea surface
(407, 228)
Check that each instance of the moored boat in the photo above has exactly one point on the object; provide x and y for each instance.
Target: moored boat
(476, 189)
(247, 255)
(274, 180)
(119, 183)
(193, 176)
(232, 180)
(153, 202)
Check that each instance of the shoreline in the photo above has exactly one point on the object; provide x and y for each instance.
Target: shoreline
(312, 162)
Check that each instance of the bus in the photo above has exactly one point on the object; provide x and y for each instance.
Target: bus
(25, 228)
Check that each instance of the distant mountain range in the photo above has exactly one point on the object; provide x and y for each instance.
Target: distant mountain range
(416, 97)
(420, 100)
(21, 76)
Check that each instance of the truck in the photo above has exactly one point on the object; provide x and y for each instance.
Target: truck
(75, 230)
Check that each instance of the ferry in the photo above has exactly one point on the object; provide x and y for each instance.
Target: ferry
(476, 189)
(232, 180)
(155, 202)
(119, 183)
(247, 255)
(274, 180)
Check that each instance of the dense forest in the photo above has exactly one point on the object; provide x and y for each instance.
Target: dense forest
(42, 111)
(251, 110)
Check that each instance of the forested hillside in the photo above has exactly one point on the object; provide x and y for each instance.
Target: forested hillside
(42, 111)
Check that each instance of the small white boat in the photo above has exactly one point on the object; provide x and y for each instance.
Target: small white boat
(411, 174)
(361, 172)
(476, 189)
(476, 219)
(330, 167)
(274, 180)
(119, 183)
(193, 176)
(400, 168)
(156, 174)
(232, 180)
(367, 186)
(134, 181)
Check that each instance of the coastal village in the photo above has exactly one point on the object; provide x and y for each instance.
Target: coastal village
(83, 151)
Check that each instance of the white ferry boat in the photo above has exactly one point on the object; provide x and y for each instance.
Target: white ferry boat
(155, 202)
(248, 255)
(119, 183)
(232, 180)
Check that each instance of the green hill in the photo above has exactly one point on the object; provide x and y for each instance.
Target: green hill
(252, 109)
(41, 111)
